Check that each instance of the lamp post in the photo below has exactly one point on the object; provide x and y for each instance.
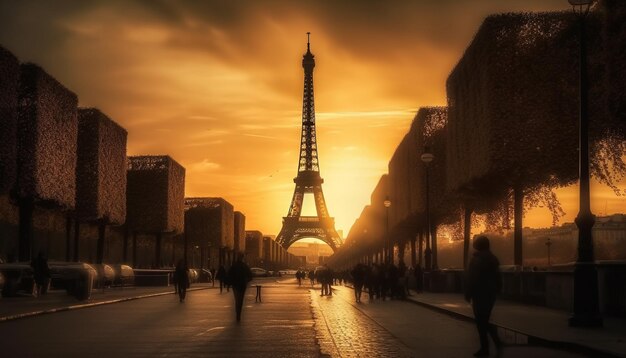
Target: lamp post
(586, 302)
(387, 204)
(194, 255)
(548, 244)
(368, 258)
(427, 157)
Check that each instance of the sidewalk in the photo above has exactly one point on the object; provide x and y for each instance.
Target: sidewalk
(12, 308)
(521, 324)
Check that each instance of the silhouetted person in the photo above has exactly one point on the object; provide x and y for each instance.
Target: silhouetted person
(419, 278)
(41, 274)
(312, 277)
(181, 277)
(238, 276)
(221, 277)
(212, 276)
(358, 278)
(483, 284)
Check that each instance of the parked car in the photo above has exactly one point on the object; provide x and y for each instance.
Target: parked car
(259, 272)
(205, 275)
(106, 275)
(18, 276)
(76, 278)
(124, 275)
(193, 274)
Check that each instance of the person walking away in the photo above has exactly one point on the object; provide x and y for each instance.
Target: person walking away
(358, 278)
(212, 276)
(312, 277)
(330, 274)
(221, 277)
(238, 276)
(419, 278)
(483, 284)
(41, 274)
(181, 277)
(299, 277)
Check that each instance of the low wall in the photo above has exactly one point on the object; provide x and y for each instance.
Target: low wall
(554, 288)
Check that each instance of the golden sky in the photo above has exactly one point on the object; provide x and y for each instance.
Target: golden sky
(218, 85)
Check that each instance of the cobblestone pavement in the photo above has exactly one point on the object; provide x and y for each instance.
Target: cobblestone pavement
(398, 329)
(343, 331)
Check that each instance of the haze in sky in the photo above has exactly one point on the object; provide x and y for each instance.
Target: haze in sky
(218, 85)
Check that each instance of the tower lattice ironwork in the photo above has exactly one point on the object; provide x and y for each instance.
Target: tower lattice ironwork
(308, 180)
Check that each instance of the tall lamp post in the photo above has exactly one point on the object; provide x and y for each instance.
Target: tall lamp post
(548, 245)
(586, 302)
(427, 157)
(387, 204)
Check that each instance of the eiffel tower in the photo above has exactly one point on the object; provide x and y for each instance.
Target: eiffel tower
(295, 226)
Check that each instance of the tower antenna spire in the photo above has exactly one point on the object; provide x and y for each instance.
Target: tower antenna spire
(308, 180)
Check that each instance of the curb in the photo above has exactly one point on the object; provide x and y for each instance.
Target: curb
(88, 305)
(522, 337)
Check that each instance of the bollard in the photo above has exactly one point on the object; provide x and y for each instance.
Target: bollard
(258, 294)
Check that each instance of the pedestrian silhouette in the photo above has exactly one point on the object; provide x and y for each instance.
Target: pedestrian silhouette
(41, 274)
(212, 276)
(483, 285)
(358, 278)
(221, 277)
(238, 277)
(181, 277)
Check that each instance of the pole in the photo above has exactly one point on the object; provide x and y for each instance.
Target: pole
(387, 254)
(428, 251)
(586, 302)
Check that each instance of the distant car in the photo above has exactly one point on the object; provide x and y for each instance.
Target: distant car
(287, 272)
(205, 275)
(124, 275)
(106, 275)
(259, 272)
(193, 275)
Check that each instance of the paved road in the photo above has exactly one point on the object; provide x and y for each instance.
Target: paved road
(292, 321)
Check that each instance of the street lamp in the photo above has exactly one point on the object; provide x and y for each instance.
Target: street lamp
(548, 245)
(387, 204)
(586, 305)
(427, 157)
(194, 255)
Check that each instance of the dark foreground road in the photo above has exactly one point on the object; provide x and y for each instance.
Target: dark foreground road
(292, 321)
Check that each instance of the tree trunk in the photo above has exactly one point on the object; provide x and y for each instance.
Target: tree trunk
(157, 258)
(420, 249)
(102, 229)
(433, 236)
(68, 237)
(467, 231)
(25, 241)
(413, 253)
(134, 249)
(76, 240)
(518, 211)
(125, 250)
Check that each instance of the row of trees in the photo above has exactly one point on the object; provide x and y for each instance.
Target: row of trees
(508, 136)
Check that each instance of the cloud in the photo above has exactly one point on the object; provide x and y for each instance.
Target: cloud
(205, 165)
(223, 80)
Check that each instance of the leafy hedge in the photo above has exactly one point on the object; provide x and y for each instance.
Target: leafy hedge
(9, 84)
(101, 168)
(47, 133)
(155, 194)
(513, 103)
